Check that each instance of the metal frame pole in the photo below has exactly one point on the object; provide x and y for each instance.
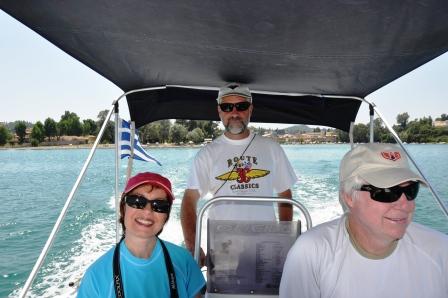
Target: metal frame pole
(297, 204)
(61, 217)
(371, 122)
(131, 157)
(350, 134)
(441, 204)
(117, 172)
(397, 138)
(57, 225)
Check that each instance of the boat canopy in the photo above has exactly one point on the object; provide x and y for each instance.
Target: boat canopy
(307, 62)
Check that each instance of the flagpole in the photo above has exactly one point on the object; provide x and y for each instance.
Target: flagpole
(117, 173)
(131, 157)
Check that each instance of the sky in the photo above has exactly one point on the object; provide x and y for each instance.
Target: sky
(38, 80)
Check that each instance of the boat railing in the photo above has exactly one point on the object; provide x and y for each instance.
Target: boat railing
(244, 239)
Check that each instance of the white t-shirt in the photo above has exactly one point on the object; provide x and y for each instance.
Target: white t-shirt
(324, 263)
(221, 169)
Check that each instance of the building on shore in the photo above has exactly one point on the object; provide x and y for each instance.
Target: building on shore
(439, 123)
(308, 138)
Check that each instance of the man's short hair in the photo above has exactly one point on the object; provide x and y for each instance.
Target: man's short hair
(234, 89)
(348, 187)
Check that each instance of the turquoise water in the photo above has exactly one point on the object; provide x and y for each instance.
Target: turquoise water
(34, 185)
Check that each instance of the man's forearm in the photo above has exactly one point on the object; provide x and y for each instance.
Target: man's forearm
(188, 219)
(284, 209)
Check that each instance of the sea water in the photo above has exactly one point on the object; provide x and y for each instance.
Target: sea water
(34, 185)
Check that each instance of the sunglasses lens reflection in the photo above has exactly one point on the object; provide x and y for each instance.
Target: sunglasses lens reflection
(392, 194)
(160, 206)
(240, 106)
(138, 202)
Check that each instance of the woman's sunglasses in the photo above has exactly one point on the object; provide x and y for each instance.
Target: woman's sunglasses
(240, 106)
(392, 194)
(157, 205)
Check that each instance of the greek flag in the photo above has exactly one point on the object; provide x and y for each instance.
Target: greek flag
(125, 144)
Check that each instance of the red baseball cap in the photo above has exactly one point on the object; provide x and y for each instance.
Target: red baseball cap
(150, 178)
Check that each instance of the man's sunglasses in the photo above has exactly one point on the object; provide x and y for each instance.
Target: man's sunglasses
(240, 106)
(392, 194)
(157, 205)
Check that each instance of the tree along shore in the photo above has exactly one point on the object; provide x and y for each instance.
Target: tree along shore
(70, 131)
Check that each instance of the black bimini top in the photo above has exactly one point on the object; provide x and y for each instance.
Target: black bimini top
(335, 48)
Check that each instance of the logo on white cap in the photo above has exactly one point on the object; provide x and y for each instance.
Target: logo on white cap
(391, 155)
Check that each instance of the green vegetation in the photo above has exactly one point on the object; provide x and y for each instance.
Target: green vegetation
(20, 129)
(5, 135)
(416, 131)
(196, 136)
(178, 133)
(182, 131)
(163, 131)
(109, 132)
(421, 130)
(37, 134)
(50, 128)
(68, 125)
(89, 127)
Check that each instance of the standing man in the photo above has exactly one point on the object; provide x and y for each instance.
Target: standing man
(238, 163)
(374, 249)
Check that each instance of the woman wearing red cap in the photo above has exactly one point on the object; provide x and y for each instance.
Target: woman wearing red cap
(141, 265)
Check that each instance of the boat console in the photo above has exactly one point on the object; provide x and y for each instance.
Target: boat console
(245, 258)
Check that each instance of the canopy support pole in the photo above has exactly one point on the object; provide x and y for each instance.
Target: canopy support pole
(58, 223)
(371, 112)
(397, 138)
(350, 134)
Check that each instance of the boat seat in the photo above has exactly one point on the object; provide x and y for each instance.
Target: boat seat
(245, 258)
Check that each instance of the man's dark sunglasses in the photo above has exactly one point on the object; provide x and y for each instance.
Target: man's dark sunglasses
(157, 205)
(392, 194)
(240, 106)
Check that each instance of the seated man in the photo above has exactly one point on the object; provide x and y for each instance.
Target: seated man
(374, 250)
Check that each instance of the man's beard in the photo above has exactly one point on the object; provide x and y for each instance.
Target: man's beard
(236, 126)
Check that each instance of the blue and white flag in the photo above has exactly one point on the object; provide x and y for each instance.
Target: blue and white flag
(124, 132)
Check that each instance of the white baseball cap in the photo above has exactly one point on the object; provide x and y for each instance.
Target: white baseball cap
(234, 89)
(381, 165)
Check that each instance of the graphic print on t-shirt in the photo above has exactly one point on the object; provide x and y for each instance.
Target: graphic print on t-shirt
(243, 171)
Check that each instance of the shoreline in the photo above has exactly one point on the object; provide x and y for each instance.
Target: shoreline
(89, 146)
(112, 146)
